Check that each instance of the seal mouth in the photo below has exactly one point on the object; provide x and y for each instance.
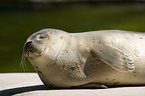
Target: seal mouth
(27, 54)
(29, 51)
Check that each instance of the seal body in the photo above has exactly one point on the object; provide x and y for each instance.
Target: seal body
(108, 57)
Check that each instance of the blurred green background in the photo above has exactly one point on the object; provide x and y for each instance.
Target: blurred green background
(18, 22)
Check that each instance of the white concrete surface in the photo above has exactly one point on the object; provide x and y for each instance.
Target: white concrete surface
(29, 84)
(15, 80)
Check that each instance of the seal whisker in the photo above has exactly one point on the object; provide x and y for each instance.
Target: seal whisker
(25, 65)
(23, 62)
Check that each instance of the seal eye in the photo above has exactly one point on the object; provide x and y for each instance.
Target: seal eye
(42, 37)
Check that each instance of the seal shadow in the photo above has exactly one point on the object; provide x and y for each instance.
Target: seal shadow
(13, 91)
(18, 90)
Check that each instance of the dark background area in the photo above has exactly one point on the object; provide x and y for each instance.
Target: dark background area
(19, 19)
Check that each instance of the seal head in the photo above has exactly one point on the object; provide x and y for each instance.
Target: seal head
(38, 42)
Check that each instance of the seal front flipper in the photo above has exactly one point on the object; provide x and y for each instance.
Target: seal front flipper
(116, 58)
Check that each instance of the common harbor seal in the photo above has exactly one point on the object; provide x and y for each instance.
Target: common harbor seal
(88, 59)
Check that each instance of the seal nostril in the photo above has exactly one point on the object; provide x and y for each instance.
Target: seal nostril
(28, 43)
